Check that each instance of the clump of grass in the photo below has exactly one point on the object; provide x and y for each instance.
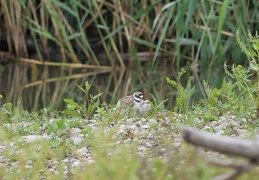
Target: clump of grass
(252, 88)
(239, 95)
(88, 108)
(184, 95)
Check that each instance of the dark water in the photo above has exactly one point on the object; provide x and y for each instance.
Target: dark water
(39, 87)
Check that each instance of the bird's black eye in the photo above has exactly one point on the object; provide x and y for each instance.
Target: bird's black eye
(139, 96)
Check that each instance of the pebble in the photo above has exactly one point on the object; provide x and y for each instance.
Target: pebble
(77, 164)
(75, 131)
(83, 151)
(145, 126)
(82, 135)
(32, 138)
(77, 140)
(90, 161)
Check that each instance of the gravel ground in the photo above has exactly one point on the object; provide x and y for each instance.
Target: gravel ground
(155, 137)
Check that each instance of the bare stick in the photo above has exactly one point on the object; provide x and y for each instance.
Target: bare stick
(233, 146)
(238, 169)
(223, 144)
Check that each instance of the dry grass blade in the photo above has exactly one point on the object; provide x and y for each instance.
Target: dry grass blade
(70, 65)
(74, 76)
(14, 32)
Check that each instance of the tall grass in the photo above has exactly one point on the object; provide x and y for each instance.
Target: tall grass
(147, 36)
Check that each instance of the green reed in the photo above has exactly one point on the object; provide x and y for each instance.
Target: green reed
(151, 36)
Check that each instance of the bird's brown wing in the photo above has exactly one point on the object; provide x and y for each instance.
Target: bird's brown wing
(127, 100)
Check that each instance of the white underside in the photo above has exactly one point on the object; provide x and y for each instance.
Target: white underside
(144, 107)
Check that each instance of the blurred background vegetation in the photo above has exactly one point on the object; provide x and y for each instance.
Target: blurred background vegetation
(119, 46)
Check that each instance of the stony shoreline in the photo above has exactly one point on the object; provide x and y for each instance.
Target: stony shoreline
(154, 138)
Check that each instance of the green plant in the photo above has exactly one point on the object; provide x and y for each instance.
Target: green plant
(240, 96)
(59, 127)
(1, 100)
(85, 110)
(243, 76)
(158, 105)
(10, 115)
(222, 100)
(184, 95)
(6, 112)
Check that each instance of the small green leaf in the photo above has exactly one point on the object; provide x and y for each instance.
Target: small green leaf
(71, 113)
(81, 88)
(251, 52)
(9, 106)
(172, 82)
(97, 96)
(253, 66)
(257, 46)
(71, 104)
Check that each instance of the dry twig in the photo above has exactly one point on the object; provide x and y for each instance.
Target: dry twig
(233, 146)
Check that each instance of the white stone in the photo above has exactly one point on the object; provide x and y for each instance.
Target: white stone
(145, 126)
(32, 138)
(75, 131)
(76, 164)
(143, 120)
(130, 121)
(90, 161)
(83, 151)
(149, 145)
(77, 140)
(81, 135)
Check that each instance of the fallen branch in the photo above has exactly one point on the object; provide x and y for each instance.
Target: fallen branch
(227, 145)
(238, 169)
